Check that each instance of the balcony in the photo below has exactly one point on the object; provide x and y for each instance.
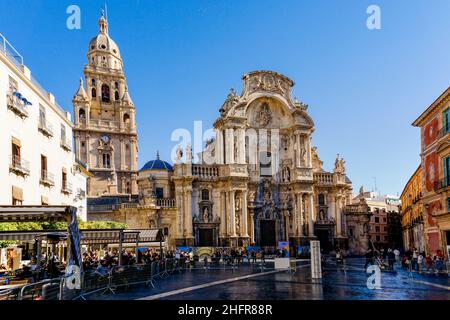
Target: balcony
(66, 145)
(165, 203)
(441, 185)
(205, 171)
(19, 166)
(17, 104)
(45, 128)
(66, 188)
(47, 179)
(443, 132)
(323, 179)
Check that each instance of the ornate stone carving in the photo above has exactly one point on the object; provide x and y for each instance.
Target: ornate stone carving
(265, 115)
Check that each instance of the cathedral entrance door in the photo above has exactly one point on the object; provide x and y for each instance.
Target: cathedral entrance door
(206, 237)
(324, 238)
(268, 233)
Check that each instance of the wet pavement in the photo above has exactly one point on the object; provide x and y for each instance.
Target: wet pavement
(249, 283)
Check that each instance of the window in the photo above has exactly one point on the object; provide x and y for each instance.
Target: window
(17, 196)
(377, 229)
(205, 194)
(64, 179)
(15, 152)
(63, 133)
(377, 220)
(446, 171)
(321, 199)
(446, 121)
(384, 219)
(106, 160)
(265, 164)
(82, 114)
(116, 95)
(159, 193)
(166, 231)
(126, 119)
(41, 114)
(350, 230)
(116, 85)
(94, 93)
(93, 82)
(378, 238)
(43, 167)
(105, 93)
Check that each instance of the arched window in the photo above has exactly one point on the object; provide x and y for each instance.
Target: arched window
(93, 82)
(116, 95)
(105, 93)
(82, 114)
(205, 194)
(126, 119)
(106, 160)
(321, 199)
(116, 85)
(93, 93)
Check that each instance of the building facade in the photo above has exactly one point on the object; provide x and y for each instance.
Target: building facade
(411, 210)
(259, 181)
(37, 163)
(434, 124)
(104, 116)
(385, 223)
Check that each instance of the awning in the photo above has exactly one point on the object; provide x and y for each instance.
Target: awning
(94, 236)
(35, 213)
(17, 193)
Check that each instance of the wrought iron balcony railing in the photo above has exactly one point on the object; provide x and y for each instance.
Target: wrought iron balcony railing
(45, 128)
(66, 187)
(17, 104)
(47, 178)
(19, 166)
(66, 145)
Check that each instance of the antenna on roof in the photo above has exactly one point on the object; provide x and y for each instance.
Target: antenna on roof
(106, 11)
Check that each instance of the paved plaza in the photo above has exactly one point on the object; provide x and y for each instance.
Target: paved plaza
(249, 283)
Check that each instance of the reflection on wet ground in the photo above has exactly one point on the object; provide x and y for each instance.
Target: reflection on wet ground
(337, 284)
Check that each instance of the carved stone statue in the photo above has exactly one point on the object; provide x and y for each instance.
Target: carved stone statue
(339, 165)
(264, 116)
(178, 154)
(188, 153)
(206, 215)
(303, 155)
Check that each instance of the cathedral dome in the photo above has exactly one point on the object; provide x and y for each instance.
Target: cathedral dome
(157, 164)
(103, 41)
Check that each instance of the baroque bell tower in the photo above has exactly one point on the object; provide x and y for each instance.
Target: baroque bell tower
(105, 124)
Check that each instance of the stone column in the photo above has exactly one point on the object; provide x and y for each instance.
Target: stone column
(232, 214)
(219, 147)
(223, 218)
(78, 146)
(88, 152)
(311, 214)
(300, 217)
(338, 217)
(133, 154)
(295, 216)
(188, 212)
(308, 151)
(244, 215)
(122, 154)
(297, 150)
(229, 145)
(241, 146)
(252, 227)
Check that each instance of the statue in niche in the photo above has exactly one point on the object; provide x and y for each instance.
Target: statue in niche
(264, 116)
(206, 215)
(303, 155)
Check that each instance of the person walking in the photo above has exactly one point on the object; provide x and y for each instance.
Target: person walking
(397, 256)
(420, 262)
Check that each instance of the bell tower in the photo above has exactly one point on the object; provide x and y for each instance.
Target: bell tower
(105, 123)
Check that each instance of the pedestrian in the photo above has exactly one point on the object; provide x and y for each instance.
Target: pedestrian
(420, 262)
(415, 257)
(397, 256)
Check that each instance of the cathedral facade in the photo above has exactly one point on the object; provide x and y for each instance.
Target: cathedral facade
(104, 120)
(258, 182)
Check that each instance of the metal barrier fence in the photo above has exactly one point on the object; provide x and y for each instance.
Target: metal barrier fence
(104, 280)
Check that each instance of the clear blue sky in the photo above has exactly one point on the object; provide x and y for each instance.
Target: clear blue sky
(364, 87)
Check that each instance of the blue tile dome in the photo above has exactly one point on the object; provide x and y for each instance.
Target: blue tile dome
(157, 164)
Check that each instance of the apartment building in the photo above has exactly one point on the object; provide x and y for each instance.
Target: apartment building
(37, 162)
